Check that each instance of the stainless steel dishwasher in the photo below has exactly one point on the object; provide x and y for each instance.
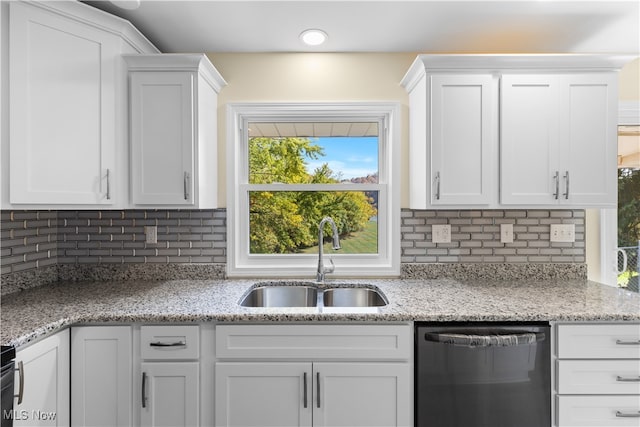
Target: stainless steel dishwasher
(483, 375)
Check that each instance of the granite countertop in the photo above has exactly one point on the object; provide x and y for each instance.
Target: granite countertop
(33, 313)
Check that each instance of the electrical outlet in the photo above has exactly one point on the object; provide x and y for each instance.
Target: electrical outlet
(565, 233)
(506, 233)
(151, 234)
(441, 233)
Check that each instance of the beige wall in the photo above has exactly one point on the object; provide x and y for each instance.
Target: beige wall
(311, 77)
(630, 81)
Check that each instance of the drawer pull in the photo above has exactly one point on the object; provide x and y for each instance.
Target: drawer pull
(632, 342)
(620, 414)
(628, 379)
(20, 370)
(168, 344)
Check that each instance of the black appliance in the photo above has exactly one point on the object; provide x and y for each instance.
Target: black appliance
(8, 363)
(483, 375)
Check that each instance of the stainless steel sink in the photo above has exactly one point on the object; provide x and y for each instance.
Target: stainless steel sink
(353, 297)
(281, 296)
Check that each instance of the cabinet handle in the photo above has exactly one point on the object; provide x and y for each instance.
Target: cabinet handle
(168, 344)
(628, 379)
(621, 414)
(305, 389)
(318, 387)
(566, 178)
(186, 185)
(108, 185)
(632, 342)
(556, 178)
(144, 389)
(437, 179)
(20, 370)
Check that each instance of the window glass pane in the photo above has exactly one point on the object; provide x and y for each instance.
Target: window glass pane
(286, 222)
(304, 153)
(629, 207)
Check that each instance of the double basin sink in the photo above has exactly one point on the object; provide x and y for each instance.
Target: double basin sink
(311, 295)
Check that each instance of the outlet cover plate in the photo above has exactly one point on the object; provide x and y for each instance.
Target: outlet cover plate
(151, 234)
(563, 233)
(441, 233)
(506, 233)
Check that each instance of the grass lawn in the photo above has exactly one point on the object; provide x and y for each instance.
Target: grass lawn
(361, 242)
(623, 279)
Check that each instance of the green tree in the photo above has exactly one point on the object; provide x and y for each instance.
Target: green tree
(287, 221)
(628, 207)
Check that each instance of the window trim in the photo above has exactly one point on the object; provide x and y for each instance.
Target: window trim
(386, 263)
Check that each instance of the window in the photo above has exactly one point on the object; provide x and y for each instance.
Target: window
(293, 164)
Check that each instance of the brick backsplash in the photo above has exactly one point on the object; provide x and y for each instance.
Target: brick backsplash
(28, 240)
(475, 236)
(117, 237)
(35, 239)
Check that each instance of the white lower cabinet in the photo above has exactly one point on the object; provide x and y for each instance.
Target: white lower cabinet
(361, 394)
(598, 375)
(101, 376)
(313, 375)
(263, 394)
(43, 369)
(170, 377)
(306, 394)
(141, 375)
(169, 394)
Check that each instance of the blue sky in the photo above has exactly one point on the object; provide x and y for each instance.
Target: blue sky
(352, 156)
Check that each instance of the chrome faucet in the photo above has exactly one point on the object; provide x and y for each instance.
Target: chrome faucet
(322, 270)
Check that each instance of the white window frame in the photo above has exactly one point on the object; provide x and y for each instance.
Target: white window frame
(628, 114)
(240, 263)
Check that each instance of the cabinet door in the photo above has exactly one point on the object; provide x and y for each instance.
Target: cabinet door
(62, 98)
(45, 370)
(169, 394)
(162, 132)
(462, 139)
(529, 150)
(588, 136)
(101, 376)
(263, 394)
(361, 394)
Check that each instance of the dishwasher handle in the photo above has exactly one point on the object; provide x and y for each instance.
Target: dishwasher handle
(473, 339)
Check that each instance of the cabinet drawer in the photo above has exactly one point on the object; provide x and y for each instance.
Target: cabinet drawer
(599, 377)
(169, 342)
(317, 342)
(614, 341)
(601, 411)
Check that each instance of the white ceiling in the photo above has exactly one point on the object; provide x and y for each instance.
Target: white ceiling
(429, 26)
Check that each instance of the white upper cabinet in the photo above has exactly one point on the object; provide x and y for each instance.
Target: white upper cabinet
(67, 142)
(173, 130)
(452, 119)
(529, 139)
(547, 139)
(558, 139)
(462, 139)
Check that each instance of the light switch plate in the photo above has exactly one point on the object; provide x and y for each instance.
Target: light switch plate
(506, 233)
(441, 233)
(563, 233)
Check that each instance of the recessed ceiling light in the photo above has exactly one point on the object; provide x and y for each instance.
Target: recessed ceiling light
(313, 37)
